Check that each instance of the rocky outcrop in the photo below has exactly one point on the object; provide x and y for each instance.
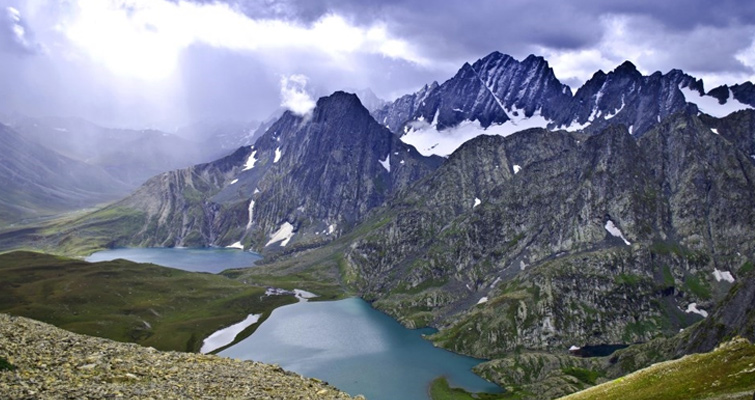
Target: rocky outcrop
(49, 362)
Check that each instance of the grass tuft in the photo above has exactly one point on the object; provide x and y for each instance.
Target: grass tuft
(5, 365)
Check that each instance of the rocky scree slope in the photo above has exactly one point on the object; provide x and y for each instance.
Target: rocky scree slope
(543, 240)
(49, 362)
(306, 179)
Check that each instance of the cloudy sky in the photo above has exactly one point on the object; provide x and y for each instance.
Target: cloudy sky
(164, 63)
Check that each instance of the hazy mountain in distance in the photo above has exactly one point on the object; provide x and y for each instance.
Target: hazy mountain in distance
(133, 156)
(37, 181)
(368, 98)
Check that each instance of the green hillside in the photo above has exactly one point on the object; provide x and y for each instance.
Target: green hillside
(165, 308)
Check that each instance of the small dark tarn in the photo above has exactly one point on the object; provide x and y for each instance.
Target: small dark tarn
(601, 350)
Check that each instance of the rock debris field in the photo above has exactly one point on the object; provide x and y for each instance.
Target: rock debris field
(51, 363)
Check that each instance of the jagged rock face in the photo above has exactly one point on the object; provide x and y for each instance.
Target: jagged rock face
(744, 92)
(538, 244)
(738, 128)
(708, 182)
(482, 92)
(528, 86)
(625, 96)
(314, 175)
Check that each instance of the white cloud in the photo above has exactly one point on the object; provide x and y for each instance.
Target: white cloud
(747, 56)
(294, 95)
(144, 38)
(576, 65)
(651, 46)
(19, 32)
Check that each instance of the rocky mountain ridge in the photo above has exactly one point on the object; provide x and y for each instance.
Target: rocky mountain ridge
(502, 95)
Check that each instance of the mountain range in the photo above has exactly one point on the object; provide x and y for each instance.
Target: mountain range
(500, 207)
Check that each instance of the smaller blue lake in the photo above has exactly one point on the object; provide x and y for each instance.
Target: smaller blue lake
(213, 260)
(357, 349)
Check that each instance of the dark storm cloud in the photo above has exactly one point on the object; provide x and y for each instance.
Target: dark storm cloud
(683, 15)
(471, 29)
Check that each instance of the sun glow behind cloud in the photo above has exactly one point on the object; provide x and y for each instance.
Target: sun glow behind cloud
(144, 38)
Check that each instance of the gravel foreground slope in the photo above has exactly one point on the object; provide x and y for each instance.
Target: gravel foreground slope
(52, 363)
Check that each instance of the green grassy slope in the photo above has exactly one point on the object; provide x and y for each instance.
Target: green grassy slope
(166, 308)
(725, 373)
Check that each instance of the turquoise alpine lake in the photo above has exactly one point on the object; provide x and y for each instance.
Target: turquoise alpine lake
(347, 343)
(210, 259)
(357, 349)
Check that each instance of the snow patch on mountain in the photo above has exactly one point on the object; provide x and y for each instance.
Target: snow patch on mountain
(251, 160)
(386, 163)
(429, 141)
(692, 308)
(236, 245)
(277, 155)
(615, 231)
(251, 213)
(226, 335)
(613, 114)
(710, 104)
(282, 235)
(723, 276)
